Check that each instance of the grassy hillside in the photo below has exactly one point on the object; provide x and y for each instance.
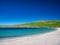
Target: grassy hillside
(41, 23)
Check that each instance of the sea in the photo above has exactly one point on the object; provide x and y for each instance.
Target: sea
(19, 32)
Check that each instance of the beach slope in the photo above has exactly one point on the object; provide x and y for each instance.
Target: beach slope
(51, 38)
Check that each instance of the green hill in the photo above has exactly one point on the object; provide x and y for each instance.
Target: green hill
(41, 23)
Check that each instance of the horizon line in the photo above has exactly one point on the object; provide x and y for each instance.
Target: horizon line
(14, 23)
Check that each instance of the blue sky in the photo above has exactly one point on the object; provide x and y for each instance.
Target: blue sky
(22, 11)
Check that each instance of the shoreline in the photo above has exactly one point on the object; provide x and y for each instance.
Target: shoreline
(50, 38)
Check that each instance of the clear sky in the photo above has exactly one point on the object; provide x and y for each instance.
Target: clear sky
(22, 11)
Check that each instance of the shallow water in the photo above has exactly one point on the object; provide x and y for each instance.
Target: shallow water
(15, 32)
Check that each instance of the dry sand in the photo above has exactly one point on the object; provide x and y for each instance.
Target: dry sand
(51, 38)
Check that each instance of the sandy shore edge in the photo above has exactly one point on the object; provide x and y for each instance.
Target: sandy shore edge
(51, 38)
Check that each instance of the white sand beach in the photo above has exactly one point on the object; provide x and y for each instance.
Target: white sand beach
(51, 38)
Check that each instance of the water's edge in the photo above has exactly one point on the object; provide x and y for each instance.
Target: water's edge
(8, 33)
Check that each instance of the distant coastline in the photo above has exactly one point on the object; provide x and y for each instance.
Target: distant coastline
(37, 24)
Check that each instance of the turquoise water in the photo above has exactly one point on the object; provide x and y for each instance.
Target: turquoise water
(15, 32)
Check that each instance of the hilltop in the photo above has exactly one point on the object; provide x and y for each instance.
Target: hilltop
(36, 24)
(41, 23)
